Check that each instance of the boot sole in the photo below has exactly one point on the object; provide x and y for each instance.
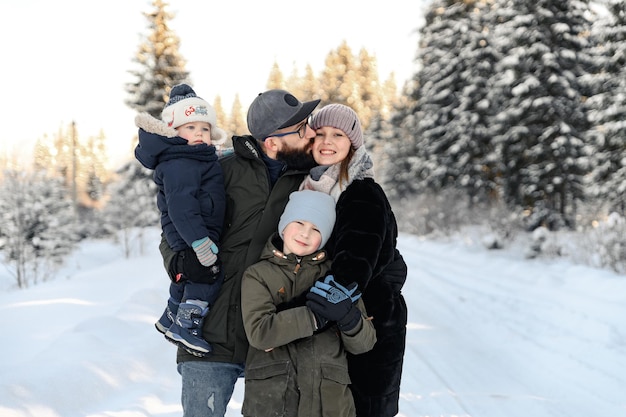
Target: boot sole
(179, 340)
(160, 328)
(193, 352)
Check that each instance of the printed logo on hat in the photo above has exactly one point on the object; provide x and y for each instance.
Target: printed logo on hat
(189, 111)
(202, 110)
(187, 108)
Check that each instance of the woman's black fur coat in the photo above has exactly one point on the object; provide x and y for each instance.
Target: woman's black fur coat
(363, 249)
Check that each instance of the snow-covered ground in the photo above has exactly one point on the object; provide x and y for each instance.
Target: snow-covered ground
(490, 335)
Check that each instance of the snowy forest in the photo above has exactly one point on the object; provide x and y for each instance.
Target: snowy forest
(514, 121)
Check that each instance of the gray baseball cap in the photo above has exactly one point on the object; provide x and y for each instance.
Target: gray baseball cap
(276, 109)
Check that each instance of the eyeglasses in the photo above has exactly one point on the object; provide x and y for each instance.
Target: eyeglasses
(301, 131)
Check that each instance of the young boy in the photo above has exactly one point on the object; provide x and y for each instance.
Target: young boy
(296, 364)
(181, 151)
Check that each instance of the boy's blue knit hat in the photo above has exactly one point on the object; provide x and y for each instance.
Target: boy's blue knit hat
(311, 206)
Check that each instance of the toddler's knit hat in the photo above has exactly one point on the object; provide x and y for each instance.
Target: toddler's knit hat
(185, 107)
(340, 117)
(311, 206)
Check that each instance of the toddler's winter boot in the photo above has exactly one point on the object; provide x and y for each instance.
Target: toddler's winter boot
(186, 331)
(168, 316)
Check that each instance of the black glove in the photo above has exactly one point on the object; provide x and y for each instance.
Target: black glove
(330, 303)
(350, 320)
(184, 265)
(321, 322)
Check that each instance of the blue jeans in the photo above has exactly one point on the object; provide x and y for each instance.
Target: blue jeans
(207, 387)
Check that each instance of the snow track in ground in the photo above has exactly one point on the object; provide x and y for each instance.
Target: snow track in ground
(489, 335)
(493, 335)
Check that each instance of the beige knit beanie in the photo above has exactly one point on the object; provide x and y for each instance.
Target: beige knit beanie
(340, 117)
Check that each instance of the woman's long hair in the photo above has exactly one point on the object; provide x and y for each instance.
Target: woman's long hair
(345, 164)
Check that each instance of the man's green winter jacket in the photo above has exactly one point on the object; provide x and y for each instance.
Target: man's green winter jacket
(253, 208)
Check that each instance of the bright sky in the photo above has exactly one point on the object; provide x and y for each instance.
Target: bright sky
(67, 60)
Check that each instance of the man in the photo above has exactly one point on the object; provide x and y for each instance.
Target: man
(264, 169)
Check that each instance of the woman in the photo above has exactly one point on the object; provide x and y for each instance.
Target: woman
(363, 249)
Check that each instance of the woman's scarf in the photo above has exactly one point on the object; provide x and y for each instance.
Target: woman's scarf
(325, 178)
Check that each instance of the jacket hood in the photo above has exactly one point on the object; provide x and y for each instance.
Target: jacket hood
(158, 143)
(247, 147)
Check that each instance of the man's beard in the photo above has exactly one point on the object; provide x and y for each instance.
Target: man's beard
(300, 159)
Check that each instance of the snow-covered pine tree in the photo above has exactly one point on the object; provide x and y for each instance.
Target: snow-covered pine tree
(93, 175)
(390, 98)
(80, 164)
(370, 102)
(38, 228)
(608, 108)
(237, 124)
(375, 137)
(276, 78)
(58, 225)
(399, 166)
(160, 65)
(310, 85)
(338, 81)
(449, 120)
(541, 119)
(220, 114)
(345, 79)
(132, 204)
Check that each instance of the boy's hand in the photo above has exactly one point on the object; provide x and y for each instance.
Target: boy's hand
(330, 285)
(334, 304)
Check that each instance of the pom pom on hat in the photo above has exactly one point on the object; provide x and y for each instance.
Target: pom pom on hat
(340, 117)
(185, 107)
(311, 206)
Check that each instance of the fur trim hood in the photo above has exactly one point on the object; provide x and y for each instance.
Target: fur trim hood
(159, 143)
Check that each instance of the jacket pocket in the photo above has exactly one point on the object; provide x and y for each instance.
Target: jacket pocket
(269, 391)
(334, 392)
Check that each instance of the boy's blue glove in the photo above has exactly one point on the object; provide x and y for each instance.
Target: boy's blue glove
(206, 251)
(329, 285)
(330, 303)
